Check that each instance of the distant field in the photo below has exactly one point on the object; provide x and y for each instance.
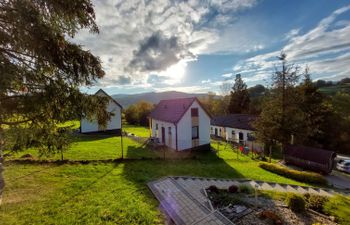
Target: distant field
(332, 90)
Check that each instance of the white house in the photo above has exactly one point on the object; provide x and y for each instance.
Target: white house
(233, 127)
(181, 124)
(113, 126)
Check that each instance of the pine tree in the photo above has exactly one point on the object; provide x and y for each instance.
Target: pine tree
(281, 118)
(41, 71)
(239, 98)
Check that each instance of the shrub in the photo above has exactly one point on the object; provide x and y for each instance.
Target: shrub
(307, 177)
(295, 202)
(268, 214)
(233, 189)
(213, 189)
(338, 207)
(315, 202)
(245, 189)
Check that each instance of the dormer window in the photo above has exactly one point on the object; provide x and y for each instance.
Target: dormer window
(194, 112)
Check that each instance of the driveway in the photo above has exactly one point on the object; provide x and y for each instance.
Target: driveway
(339, 180)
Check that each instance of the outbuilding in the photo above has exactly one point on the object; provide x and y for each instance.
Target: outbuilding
(181, 124)
(316, 159)
(114, 124)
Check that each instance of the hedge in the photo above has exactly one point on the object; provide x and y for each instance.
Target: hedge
(306, 177)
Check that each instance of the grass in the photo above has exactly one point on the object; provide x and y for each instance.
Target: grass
(332, 90)
(109, 193)
(137, 130)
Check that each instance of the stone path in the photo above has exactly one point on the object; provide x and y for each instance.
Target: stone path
(184, 200)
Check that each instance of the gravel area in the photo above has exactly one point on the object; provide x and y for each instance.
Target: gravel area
(288, 217)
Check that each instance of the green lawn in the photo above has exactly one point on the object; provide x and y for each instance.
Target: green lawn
(137, 130)
(109, 193)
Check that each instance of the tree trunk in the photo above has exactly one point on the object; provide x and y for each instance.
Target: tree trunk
(270, 153)
(2, 145)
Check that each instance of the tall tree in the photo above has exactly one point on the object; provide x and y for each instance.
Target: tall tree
(281, 117)
(42, 70)
(239, 99)
(316, 112)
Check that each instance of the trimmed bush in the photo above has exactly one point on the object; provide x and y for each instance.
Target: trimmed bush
(213, 189)
(295, 202)
(315, 202)
(233, 189)
(245, 189)
(307, 177)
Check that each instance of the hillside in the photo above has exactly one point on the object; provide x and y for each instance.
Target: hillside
(153, 97)
(332, 90)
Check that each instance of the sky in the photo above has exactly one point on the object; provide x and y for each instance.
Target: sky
(195, 46)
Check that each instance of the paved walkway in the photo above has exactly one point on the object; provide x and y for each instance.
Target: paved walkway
(184, 200)
(339, 180)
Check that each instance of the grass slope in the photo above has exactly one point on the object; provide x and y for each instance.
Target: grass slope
(109, 193)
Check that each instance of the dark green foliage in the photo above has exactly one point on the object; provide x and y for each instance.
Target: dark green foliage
(239, 101)
(315, 202)
(295, 202)
(213, 189)
(315, 113)
(215, 105)
(41, 72)
(307, 177)
(223, 198)
(339, 206)
(138, 114)
(281, 116)
(233, 189)
(245, 189)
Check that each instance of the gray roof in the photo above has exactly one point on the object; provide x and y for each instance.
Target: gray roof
(239, 121)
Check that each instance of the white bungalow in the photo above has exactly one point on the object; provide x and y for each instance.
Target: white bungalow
(113, 126)
(181, 124)
(233, 127)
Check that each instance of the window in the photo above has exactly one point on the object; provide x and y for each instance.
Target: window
(195, 132)
(250, 137)
(233, 133)
(169, 130)
(156, 126)
(194, 112)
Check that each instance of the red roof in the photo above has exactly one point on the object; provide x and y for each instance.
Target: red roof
(172, 110)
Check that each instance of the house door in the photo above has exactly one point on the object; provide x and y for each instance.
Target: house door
(163, 135)
(216, 131)
(240, 136)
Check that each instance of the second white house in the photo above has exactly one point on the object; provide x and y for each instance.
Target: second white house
(114, 125)
(181, 124)
(233, 127)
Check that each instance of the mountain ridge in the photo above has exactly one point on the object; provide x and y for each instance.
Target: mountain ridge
(153, 97)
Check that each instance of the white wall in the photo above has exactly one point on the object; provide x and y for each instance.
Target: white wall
(229, 135)
(184, 126)
(114, 123)
(221, 130)
(170, 139)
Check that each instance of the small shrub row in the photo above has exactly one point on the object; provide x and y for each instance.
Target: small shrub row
(307, 177)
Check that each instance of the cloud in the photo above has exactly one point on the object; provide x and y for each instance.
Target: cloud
(157, 53)
(227, 75)
(206, 81)
(139, 37)
(324, 49)
(292, 33)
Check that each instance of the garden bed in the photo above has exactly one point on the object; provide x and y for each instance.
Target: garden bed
(244, 207)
